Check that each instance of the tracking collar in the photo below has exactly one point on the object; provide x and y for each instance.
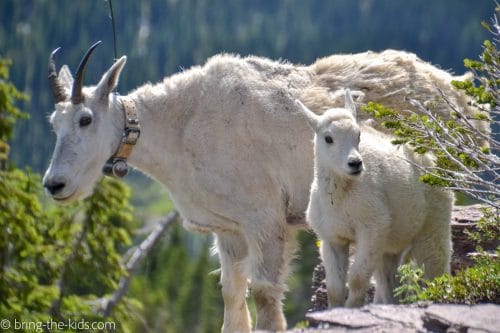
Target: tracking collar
(117, 164)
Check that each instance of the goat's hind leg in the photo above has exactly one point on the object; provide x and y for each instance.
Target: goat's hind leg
(335, 258)
(233, 252)
(432, 246)
(432, 250)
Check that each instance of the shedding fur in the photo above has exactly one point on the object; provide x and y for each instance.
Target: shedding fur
(227, 142)
(366, 193)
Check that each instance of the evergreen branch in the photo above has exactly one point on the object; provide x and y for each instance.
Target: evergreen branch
(488, 138)
(464, 185)
(55, 307)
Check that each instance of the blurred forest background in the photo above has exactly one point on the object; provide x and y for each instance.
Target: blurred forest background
(174, 291)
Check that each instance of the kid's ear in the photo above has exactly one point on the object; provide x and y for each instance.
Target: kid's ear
(110, 79)
(349, 102)
(312, 118)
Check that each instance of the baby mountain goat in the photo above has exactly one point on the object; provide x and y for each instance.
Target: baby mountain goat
(366, 193)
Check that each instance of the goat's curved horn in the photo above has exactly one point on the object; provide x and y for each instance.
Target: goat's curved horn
(55, 86)
(76, 93)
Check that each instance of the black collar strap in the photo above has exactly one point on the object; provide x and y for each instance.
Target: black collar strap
(117, 164)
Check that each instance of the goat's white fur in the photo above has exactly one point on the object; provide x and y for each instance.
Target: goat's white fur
(381, 207)
(237, 158)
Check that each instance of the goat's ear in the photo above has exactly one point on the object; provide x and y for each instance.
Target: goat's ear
(65, 77)
(349, 103)
(110, 79)
(312, 118)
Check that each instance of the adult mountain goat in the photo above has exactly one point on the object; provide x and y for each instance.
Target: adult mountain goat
(366, 192)
(228, 143)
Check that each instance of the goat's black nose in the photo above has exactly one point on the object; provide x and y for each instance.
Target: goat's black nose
(355, 163)
(54, 186)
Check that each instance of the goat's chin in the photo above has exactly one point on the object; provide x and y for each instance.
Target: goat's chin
(74, 196)
(64, 201)
(355, 174)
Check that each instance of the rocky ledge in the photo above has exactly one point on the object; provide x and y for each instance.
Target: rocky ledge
(407, 318)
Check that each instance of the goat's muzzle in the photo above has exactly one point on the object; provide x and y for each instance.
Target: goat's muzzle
(355, 165)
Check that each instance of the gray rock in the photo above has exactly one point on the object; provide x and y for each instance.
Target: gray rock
(408, 318)
(464, 318)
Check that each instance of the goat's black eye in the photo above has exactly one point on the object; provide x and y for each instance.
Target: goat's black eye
(85, 121)
(328, 139)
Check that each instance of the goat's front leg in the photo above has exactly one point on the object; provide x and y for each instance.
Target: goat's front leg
(385, 275)
(335, 258)
(367, 257)
(270, 255)
(233, 251)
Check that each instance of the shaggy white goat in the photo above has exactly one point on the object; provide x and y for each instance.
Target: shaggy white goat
(365, 192)
(227, 142)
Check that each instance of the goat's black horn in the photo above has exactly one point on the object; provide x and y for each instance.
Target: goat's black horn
(55, 86)
(76, 93)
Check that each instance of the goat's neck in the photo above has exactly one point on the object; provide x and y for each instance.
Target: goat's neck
(333, 185)
(155, 151)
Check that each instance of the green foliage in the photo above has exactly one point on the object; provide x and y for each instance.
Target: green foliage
(8, 97)
(487, 68)
(487, 228)
(433, 180)
(26, 255)
(477, 284)
(478, 92)
(378, 110)
(410, 279)
(303, 324)
(8, 110)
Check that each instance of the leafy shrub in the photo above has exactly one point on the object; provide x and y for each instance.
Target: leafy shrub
(477, 284)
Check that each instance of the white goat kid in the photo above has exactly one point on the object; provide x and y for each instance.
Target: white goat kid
(366, 193)
(227, 143)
